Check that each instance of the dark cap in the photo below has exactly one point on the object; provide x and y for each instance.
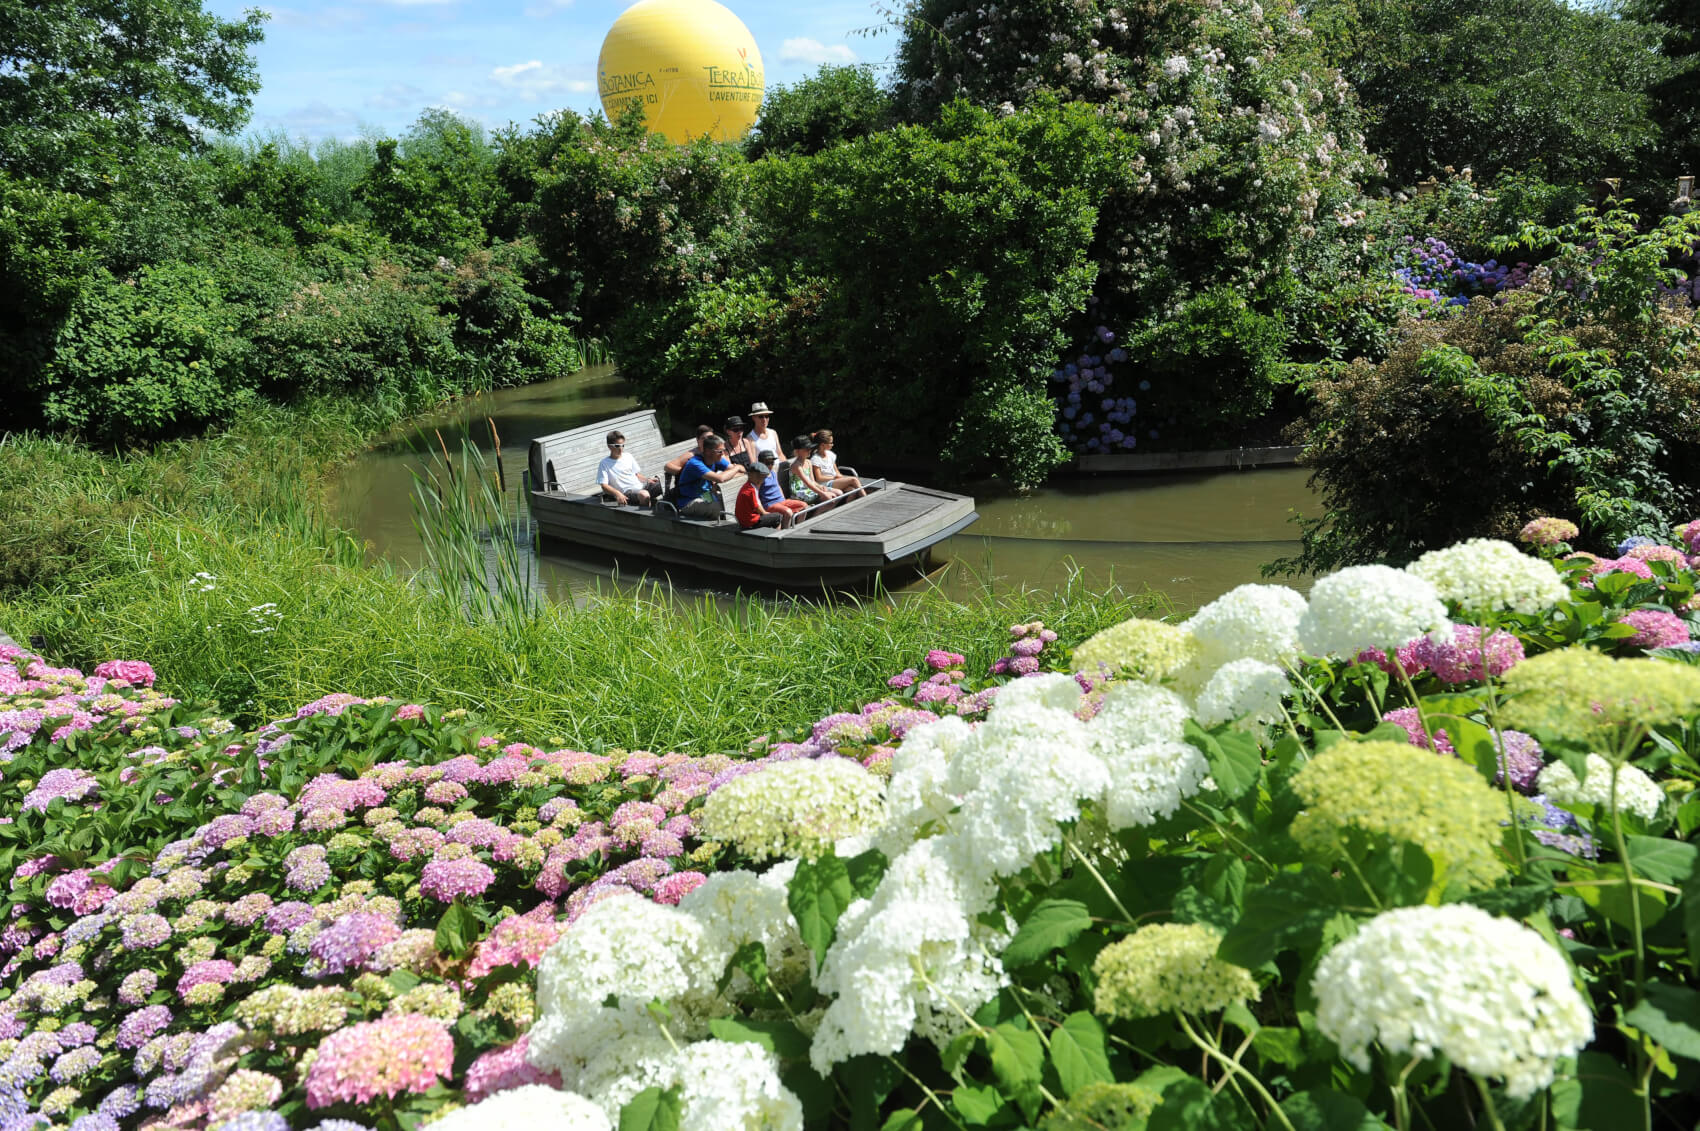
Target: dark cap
(757, 470)
(804, 441)
(615, 437)
(735, 423)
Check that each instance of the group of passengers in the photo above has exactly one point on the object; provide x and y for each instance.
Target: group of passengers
(776, 488)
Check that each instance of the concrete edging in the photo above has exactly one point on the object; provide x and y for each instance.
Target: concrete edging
(1235, 458)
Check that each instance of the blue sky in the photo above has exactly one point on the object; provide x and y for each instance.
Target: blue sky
(338, 67)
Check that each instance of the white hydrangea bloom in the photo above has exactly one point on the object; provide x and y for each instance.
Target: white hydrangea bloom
(1487, 575)
(1371, 606)
(727, 1086)
(527, 1108)
(1054, 690)
(1488, 993)
(1150, 780)
(794, 808)
(1002, 740)
(1015, 813)
(902, 958)
(1257, 622)
(635, 951)
(1134, 714)
(916, 795)
(1242, 689)
(742, 907)
(1636, 792)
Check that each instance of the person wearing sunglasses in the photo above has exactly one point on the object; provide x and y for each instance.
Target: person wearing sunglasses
(620, 478)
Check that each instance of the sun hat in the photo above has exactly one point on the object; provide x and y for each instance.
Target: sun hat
(735, 422)
(760, 409)
(803, 441)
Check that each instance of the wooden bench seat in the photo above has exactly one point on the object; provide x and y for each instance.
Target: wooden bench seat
(566, 462)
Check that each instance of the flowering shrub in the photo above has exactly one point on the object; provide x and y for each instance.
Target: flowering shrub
(1344, 915)
(1299, 837)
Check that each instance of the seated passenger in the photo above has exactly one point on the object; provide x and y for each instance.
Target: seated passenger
(763, 438)
(677, 464)
(772, 494)
(739, 448)
(824, 464)
(620, 478)
(804, 485)
(749, 508)
(699, 480)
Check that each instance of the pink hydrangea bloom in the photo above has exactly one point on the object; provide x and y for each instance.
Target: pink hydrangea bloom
(940, 660)
(135, 671)
(504, 1068)
(443, 880)
(212, 970)
(408, 1052)
(70, 785)
(409, 711)
(515, 940)
(1656, 628)
(1408, 718)
(1653, 552)
(671, 889)
(1547, 532)
(1466, 658)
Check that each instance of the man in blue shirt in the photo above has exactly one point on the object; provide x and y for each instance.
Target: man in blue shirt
(699, 479)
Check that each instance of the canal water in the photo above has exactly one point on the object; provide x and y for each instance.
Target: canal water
(1191, 536)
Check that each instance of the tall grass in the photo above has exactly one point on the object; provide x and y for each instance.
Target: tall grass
(474, 553)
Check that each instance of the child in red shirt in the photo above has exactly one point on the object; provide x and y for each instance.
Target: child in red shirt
(749, 509)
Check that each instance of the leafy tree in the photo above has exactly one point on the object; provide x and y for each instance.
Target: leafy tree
(1497, 84)
(1676, 96)
(835, 105)
(435, 189)
(86, 84)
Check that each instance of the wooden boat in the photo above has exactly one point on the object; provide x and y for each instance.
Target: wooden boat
(891, 524)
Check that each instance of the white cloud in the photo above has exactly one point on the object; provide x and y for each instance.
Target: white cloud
(805, 50)
(533, 79)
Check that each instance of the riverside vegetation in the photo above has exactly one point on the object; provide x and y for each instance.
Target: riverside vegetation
(1412, 852)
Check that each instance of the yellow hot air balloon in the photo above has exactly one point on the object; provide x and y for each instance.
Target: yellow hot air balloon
(692, 63)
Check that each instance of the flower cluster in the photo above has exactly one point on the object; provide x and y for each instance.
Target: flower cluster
(1441, 981)
(1168, 968)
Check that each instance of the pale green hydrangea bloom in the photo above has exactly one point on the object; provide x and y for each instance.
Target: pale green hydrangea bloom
(1168, 968)
(1582, 694)
(1487, 575)
(1408, 793)
(1148, 650)
(1099, 1105)
(796, 808)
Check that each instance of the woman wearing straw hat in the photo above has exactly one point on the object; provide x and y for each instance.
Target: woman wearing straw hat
(761, 437)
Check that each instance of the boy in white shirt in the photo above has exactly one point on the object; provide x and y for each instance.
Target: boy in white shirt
(620, 478)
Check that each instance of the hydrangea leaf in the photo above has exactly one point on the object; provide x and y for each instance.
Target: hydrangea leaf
(817, 896)
(1018, 1062)
(1671, 1016)
(782, 1038)
(1662, 859)
(1235, 760)
(977, 1105)
(1691, 918)
(652, 1110)
(1288, 913)
(1323, 1109)
(1053, 924)
(1596, 1097)
(1078, 1053)
(457, 930)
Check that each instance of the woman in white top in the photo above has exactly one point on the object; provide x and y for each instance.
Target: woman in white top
(824, 463)
(761, 437)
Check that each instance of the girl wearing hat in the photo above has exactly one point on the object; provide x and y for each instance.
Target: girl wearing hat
(804, 485)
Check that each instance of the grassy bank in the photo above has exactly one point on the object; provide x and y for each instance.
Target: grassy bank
(213, 560)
